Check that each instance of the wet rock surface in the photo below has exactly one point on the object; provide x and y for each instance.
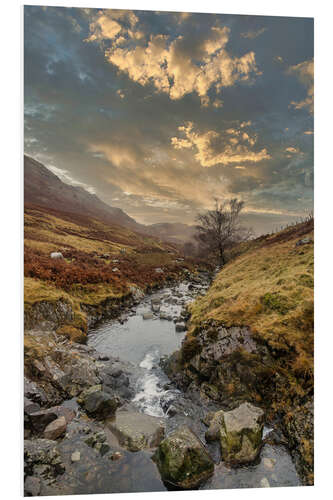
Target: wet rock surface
(121, 363)
(183, 460)
(136, 431)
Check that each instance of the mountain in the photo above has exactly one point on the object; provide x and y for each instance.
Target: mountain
(44, 189)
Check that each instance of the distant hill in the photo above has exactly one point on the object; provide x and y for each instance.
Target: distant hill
(174, 232)
(44, 189)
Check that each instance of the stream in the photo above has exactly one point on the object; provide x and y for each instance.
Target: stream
(141, 337)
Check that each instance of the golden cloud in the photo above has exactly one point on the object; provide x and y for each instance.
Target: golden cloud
(213, 148)
(166, 63)
(305, 73)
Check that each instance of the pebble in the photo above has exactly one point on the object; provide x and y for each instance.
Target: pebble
(264, 483)
(76, 456)
(269, 463)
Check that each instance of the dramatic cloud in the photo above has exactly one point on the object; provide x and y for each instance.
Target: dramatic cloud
(159, 113)
(304, 72)
(214, 148)
(176, 66)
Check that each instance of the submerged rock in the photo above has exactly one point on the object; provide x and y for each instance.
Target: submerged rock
(183, 460)
(147, 315)
(136, 431)
(239, 432)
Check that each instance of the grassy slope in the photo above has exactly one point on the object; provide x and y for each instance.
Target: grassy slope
(269, 287)
(90, 247)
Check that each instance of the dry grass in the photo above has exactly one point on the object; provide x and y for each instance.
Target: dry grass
(270, 289)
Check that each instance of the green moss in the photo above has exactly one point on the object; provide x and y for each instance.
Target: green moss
(276, 302)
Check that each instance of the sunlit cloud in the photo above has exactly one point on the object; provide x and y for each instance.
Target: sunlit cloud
(166, 62)
(214, 148)
(305, 73)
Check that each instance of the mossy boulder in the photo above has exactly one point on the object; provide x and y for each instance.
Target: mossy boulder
(239, 432)
(183, 460)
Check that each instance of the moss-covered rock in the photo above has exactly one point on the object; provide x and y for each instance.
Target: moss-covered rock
(239, 432)
(183, 460)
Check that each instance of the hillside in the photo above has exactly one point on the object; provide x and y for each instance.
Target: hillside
(101, 262)
(251, 336)
(44, 189)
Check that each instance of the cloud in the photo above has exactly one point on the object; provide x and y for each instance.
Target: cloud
(253, 34)
(214, 148)
(291, 149)
(304, 71)
(175, 65)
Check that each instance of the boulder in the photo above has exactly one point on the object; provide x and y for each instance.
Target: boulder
(180, 327)
(55, 429)
(39, 420)
(136, 431)
(239, 431)
(98, 403)
(183, 460)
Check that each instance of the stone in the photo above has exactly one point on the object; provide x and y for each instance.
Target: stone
(55, 429)
(183, 460)
(264, 483)
(147, 315)
(137, 431)
(241, 434)
(76, 456)
(304, 241)
(41, 419)
(158, 270)
(269, 463)
(56, 255)
(98, 403)
(115, 269)
(165, 316)
(180, 327)
(31, 486)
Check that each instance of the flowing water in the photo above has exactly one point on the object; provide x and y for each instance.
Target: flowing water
(142, 342)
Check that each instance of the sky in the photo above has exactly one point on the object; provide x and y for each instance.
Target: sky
(160, 113)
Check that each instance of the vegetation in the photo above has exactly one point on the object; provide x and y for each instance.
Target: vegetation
(100, 261)
(268, 286)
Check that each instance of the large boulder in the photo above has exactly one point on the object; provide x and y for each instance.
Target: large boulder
(239, 431)
(98, 403)
(136, 431)
(183, 460)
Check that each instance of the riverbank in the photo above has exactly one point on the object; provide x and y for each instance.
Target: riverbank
(250, 338)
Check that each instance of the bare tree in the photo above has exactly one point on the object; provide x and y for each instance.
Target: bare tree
(220, 229)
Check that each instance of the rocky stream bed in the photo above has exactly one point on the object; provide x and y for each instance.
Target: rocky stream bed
(104, 417)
